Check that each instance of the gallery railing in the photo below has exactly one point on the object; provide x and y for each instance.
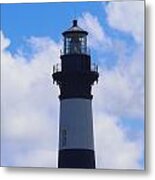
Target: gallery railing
(57, 68)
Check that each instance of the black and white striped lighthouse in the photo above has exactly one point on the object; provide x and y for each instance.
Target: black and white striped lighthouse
(75, 78)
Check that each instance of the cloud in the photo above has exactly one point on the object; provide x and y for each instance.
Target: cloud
(4, 42)
(29, 101)
(113, 145)
(37, 158)
(119, 95)
(122, 88)
(127, 16)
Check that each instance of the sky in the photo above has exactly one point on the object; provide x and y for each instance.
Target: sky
(30, 45)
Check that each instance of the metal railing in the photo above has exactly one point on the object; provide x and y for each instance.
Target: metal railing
(57, 68)
(94, 67)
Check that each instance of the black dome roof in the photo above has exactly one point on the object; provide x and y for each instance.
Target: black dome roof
(75, 29)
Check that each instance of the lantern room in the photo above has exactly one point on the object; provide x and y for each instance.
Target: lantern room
(75, 40)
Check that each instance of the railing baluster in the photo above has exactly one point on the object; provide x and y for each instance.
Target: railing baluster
(56, 68)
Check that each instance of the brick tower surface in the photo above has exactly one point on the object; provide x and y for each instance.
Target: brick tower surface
(75, 78)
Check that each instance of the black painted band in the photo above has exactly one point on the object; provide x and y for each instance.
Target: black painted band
(75, 84)
(76, 158)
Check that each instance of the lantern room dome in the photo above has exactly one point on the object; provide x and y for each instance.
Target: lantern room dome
(75, 29)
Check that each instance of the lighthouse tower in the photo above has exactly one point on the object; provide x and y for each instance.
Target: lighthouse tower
(75, 77)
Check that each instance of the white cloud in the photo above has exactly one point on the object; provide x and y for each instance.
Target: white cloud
(127, 16)
(121, 90)
(36, 158)
(29, 100)
(4, 42)
(119, 93)
(114, 150)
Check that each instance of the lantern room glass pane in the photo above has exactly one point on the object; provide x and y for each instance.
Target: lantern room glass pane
(75, 44)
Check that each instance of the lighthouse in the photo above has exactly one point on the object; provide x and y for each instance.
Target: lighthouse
(75, 77)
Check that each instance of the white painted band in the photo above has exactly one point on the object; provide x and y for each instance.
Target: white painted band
(76, 124)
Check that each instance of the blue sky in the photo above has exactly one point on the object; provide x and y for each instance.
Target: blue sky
(42, 19)
(45, 19)
(117, 45)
